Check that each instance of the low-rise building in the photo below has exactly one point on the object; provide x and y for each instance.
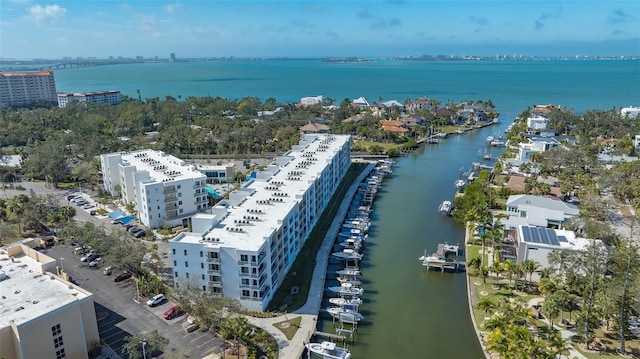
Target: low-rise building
(217, 173)
(537, 122)
(536, 243)
(243, 247)
(164, 189)
(43, 315)
(631, 112)
(109, 97)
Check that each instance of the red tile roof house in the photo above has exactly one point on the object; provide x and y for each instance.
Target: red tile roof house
(393, 126)
(314, 128)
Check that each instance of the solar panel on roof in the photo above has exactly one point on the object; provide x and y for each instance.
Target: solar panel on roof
(540, 235)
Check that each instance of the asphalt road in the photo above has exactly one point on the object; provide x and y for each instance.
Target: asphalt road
(124, 316)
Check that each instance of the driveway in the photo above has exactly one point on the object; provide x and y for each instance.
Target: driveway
(119, 315)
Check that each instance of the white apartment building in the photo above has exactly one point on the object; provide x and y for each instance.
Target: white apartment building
(314, 100)
(245, 245)
(43, 315)
(110, 97)
(21, 88)
(165, 189)
(630, 112)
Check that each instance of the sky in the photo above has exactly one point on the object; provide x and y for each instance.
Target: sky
(211, 28)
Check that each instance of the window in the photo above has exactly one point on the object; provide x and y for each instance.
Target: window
(179, 203)
(203, 277)
(245, 281)
(173, 251)
(204, 287)
(244, 257)
(186, 264)
(175, 274)
(55, 330)
(201, 253)
(175, 263)
(246, 293)
(185, 252)
(60, 354)
(187, 275)
(57, 342)
(179, 186)
(202, 265)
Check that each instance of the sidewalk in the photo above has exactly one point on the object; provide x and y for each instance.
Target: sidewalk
(565, 333)
(294, 348)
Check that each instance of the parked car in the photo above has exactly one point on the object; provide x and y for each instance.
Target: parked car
(155, 300)
(140, 234)
(107, 270)
(89, 257)
(95, 262)
(134, 229)
(77, 199)
(81, 202)
(122, 276)
(81, 250)
(171, 312)
(92, 212)
(88, 205)
(72, 196)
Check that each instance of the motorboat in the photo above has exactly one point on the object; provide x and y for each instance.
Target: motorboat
(497, 143)
(328, 350)
(353, 243)
(345, 315)
(349, 272)
(445, 207)
(351, 232)
(347, 289)
(490, 139)
(347, 254)
(353, 302)
(460, 183)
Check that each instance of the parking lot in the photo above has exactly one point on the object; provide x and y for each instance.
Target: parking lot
(119, 315)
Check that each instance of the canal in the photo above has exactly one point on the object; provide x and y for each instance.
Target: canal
(410, 312)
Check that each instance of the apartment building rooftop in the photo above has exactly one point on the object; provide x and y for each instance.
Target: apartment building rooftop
(161, 166)
(27, 73)
(28, 291)
(253, 212)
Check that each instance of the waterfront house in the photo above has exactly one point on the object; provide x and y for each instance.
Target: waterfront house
(544, 109)
(536, 145)
(360, 102)
(413, 120)
(394, 126)
(354, 118)
(379, 110)
(309, 101)
(420, 104)
(536, 243)
(537, 122)
(538, 211)
(447, 115)
(394, 106)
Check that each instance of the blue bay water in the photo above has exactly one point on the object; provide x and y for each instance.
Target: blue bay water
(409, 313)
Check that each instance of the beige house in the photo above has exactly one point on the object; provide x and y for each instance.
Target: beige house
(42, 315)
(313, 127)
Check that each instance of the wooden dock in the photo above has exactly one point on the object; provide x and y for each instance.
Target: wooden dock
(330, 336)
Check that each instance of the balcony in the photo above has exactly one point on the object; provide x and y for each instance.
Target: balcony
(213, 271)
(213, 260)
(169, 190)
(242, 263)
(249, 275)
(215, 284)
(249, 286)
(170, 198)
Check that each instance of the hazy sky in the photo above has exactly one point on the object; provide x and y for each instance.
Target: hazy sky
(203, 28)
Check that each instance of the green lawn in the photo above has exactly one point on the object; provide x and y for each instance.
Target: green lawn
(301, 271)
(289, 327)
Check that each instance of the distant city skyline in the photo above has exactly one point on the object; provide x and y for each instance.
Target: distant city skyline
(72, 28)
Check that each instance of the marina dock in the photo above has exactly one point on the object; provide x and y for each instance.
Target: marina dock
(440, 259)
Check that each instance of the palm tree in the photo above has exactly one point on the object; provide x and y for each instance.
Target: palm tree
(483, 273)
(551, 309)
(530, 266)
(559, 346)
(486, 304)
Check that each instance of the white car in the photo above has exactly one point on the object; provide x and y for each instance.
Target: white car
(77, 199)
(88, 206)
(155, 300)
(95, 262)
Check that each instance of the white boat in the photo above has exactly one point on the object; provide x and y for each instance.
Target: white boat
(354, 302)
(496, 143)
(345, 315)
(490, 139)
(351, 232)
(349, 272)
(460, 183)
(347, 254)
(445, 207)
(352, 243)
(347, 289)
(328, 350)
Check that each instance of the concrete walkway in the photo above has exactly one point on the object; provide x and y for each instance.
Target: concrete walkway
(294, 348)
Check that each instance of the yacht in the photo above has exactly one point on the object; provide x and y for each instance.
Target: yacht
(445, 207)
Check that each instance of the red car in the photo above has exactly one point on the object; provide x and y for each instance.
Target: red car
(171, 312)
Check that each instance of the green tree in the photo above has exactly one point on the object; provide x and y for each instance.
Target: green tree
(153, 343)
